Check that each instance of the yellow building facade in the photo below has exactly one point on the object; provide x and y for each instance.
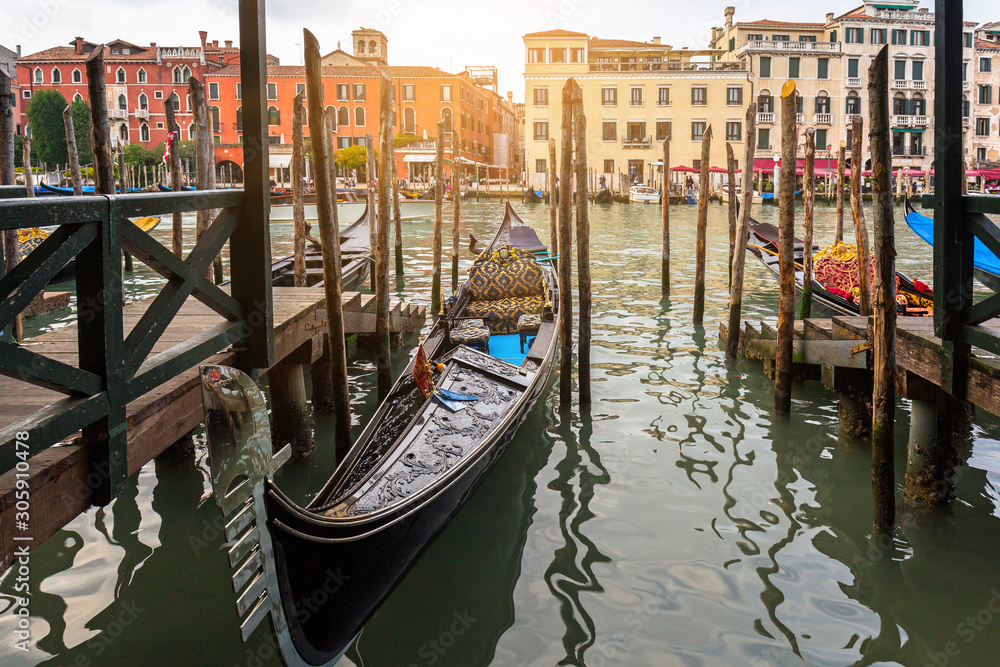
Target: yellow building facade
(635, 95)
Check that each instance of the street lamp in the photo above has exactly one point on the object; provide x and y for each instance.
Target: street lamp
(777, 166)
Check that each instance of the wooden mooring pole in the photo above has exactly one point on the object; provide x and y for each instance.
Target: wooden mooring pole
(566, 249)
(858, 210)
(553, 212)
(809, 202)
(334, 345)
(841, 170)
(438, 223)
(204, 156)
(456, 224)
(582, 245)
(702, 231)
(740, 251)
(123, 188)
(10, 245)
(74, 154)
(383, 360)
(665, 220)
(786, 259)
(174, 158)
(884, 326)
(397, 220)
(370, 184)
(731, 173)
(298, 196)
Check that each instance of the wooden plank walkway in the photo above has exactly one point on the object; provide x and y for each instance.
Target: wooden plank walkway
(62, 478)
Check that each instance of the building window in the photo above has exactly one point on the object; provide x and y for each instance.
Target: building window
(120, 75)
(541, 130)
(144, 133)
(239, 90)
(446, 117)
(26, 94)
(918, 105)
(359, 92)
(985, 65)
(38, 75)
(853, 68)
(536, 55)
(853, 104)
(981, 154)
(159, 126)
(359, 117)
(541, 97)
(663, 128)
(697, 130)
(56, 75)
(157, 94)
(609, 166)
(609, 130)
(765, 103)
(793, 68)
(635, 98)
(833, 36)
(663, 96)
(765, 67)
(609, 96)
(213, 91)
(141, 75)
(239, 119)
(734, 96)
(300, 89)
(409, 120)
(982, 127)
(822, 102)
(699, 96)
(540, 166)
(899, 37)
(216, 119)
(409, 92)
(985, 94)
(143, 102)
(920, 38)
(343, 92)
(272, 91)
(446, 92)
(122, 102)
(879, 35)
(558, 55)
(900, 70)
(779, 38)
(273, 116)
(854, 35)
(764, 139)
(78, 97)
(734, 131)
(123, 134)
(343, 117)
(732, 44)
(822, 68)
(77, 76)
(576, 55)
(807, 38)
(821, 140)
(178, 75)
(755, 37)
(968, 40)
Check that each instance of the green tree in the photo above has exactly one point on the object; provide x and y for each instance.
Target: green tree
(81, 128)
(47, 128)
(352, 157)
(18, 151)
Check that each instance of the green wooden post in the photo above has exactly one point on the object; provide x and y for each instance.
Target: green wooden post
(252, 239)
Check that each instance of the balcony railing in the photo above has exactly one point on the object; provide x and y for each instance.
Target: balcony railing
(142, 113)
(668, 67)
(637, 142)
(967, 86)
(800, 118)
(921, 121)
(765, 118)
(636, 103)
(902, 121)
(914, 151)
(890, 15)
(854, 82)
(118, 113)
(824, 119)
(919, 85)
(799, 47)
(849, 118)
(900, 84)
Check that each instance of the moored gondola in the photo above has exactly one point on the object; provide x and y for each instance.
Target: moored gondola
(533, 196)
(985, 265)
(835, 274)
(355, 260)
(322, 570)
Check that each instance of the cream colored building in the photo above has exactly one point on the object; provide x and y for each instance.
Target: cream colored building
(985, 105)
(635, 94)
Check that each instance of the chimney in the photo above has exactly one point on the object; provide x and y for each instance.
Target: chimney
(215, 44)
(79, 45)
(829, 17)
(510, 96)
(18, 50)
(730, 13)
(923, 10)
(204, 38)
(229, 43)
(656, 40)
(152, 45)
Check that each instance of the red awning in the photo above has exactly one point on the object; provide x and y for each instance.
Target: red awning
(685, 169)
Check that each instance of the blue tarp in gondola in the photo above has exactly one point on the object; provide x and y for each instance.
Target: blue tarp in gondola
(923, 227)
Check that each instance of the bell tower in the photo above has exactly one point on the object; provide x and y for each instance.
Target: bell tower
(370, 46)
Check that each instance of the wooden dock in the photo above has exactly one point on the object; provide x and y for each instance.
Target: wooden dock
(59, 479)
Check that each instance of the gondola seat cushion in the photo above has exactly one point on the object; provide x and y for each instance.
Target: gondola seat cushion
(473, 333)
(505, 286)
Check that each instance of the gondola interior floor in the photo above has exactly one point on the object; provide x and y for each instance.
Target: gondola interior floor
(508, 347)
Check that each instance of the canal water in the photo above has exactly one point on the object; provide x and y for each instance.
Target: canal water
(675, 522)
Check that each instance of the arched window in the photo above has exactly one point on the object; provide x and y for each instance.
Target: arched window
(372, 47)
(361, 46)
(359, 117)
(216, 119)
(38, 75)
(822, 102)
(123, 133)
(141, 75)
(305, 116)
(900, 105)
(191, 132)
(143, 102)
(77, 76)
(853, 103)
(446, 116)
(120, 75)
(343, 117)
(409, 120)
(177, 102)
(178, 75)
(919, 105)
(187, 75)
(331, 113)
(764, 102)
(56, 75)
(144, 133)
(239, 119)
(122, 102)
(187, 102)
(78, 97)
(273, 116)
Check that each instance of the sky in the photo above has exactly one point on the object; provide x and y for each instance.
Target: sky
(449, 34)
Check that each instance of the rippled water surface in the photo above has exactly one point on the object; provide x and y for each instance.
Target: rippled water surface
(674, 523)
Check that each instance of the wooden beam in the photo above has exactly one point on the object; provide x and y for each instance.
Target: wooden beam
(858, 210)
(809, 199)
(436, 296)
(582, 245)
(742, 233)
(786, 233)
(298, 196)
(383, 360)
(702, 229)
(566, 248)
(74, 155)
(665, 220)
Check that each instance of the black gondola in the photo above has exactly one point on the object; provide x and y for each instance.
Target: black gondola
(355, 260)
(985, 266)
(604, 197)
(184, 188)
(322, 570)
(533, 196)
(763, 244)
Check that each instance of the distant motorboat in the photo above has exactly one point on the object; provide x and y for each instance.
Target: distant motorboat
(692, 196)
(643, 194)
(409, 209)
(756, 199)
